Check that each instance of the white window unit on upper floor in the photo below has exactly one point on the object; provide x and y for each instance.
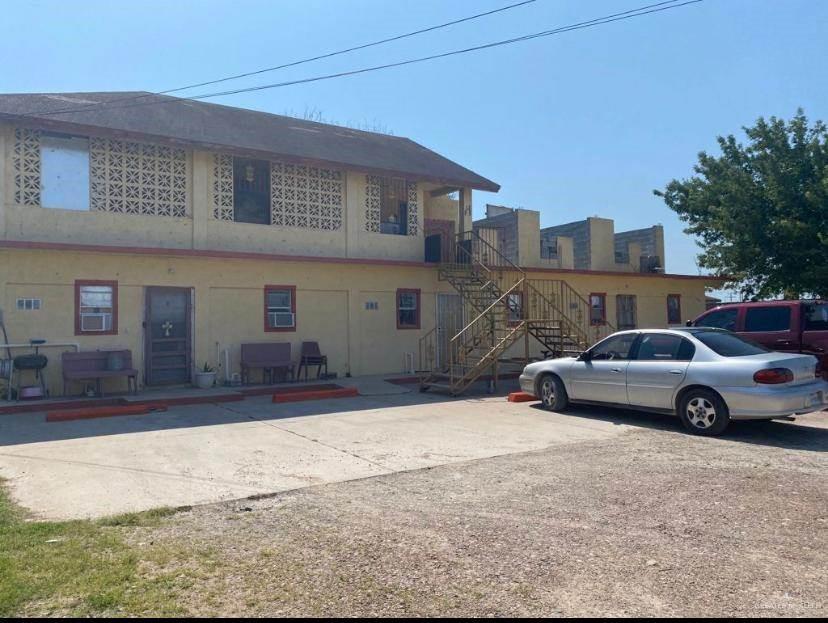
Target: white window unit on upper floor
(64, 171)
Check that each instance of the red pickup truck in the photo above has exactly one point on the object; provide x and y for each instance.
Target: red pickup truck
(788, 326)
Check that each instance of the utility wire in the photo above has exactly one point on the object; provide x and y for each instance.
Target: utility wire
(645, 10)
(315, 58)
(596, 22)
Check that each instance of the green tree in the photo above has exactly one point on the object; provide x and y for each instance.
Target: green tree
(760, 211)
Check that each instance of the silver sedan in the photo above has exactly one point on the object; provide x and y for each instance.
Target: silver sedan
(707, 377)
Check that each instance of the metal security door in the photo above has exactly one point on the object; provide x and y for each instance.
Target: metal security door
(449, 324)
(168, 335)
(625, 312)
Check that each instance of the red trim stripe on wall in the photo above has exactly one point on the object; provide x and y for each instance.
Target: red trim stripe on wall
(252, 255)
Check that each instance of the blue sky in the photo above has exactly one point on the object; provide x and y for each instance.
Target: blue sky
(579, 124)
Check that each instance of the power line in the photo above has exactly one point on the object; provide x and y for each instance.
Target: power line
(582, 25)
(315, 58)
(355, 48)
(607, 19)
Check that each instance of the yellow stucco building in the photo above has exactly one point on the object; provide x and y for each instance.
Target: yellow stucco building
(181, 230)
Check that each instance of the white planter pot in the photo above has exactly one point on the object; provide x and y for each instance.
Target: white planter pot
(205, 380)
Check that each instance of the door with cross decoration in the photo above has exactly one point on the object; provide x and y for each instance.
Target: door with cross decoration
(168, 336)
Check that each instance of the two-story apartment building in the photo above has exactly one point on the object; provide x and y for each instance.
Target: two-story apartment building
(182, 229)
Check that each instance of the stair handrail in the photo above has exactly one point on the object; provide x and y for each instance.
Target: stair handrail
(475, 371)
(577, 295)
(582, 328)
(429, 361)
(580, 331)
(460, 249)
(475, 237)
(516, 286)
(605, 327)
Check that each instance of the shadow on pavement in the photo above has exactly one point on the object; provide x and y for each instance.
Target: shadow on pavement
(772, 433)
(32, 428)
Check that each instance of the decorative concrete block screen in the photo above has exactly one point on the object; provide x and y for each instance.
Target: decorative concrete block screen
(305, 197)
(26, 163)
(137, 178)
(300, 196)
(373, 205)
(412, 209)
(373, 199)
(223, 187)
(125, 177)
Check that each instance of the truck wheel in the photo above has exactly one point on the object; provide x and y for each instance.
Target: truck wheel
(552, 393)
(703, 412)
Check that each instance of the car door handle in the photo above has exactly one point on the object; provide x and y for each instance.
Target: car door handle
(616, 369)
(675, 372)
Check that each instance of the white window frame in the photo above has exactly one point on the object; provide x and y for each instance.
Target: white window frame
(104, 313)
(413, 307)
(29, 304)
(275, 313)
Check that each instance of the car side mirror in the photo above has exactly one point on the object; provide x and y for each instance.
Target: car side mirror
(585, 356)
(689, 323)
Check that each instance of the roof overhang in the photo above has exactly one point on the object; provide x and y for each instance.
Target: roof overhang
(474, 181)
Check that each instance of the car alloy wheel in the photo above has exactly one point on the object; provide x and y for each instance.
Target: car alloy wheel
(548, 392)
(701, 413)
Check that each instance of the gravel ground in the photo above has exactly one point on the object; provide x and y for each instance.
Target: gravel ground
(654, 522)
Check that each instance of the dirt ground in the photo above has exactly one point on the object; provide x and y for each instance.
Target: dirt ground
(651, 522)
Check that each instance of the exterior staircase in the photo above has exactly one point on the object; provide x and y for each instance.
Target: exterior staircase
(501, 307)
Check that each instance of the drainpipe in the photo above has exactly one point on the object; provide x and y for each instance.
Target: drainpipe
(462, 207)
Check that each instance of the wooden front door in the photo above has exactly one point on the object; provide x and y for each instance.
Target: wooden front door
(168, 336)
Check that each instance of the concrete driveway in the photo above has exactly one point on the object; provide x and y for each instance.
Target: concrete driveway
(209, 453)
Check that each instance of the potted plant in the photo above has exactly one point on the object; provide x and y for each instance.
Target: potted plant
(206, 377)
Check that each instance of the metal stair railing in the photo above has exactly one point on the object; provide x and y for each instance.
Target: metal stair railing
(472, 248)
(569, 308)
(428, 355)
(550, 311)
(490, 331)
(545, 308)
(473, 370)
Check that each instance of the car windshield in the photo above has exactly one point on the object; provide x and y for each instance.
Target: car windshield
(728, 344)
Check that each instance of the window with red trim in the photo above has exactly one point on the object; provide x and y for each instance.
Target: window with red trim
(96, 307)
(408, 309)
(674, 309)
(280, 308)
(598, 308)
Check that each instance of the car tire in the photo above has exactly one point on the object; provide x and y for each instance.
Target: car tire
(552, 393)
(703, 412)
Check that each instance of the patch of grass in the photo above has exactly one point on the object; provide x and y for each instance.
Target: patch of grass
(146, 519)
(80, 568)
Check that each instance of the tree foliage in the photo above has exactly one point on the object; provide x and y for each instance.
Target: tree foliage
(760, 210)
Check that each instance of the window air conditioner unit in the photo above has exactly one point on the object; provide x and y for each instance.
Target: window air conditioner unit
(651, 264)
(94, 322)
(280, 320)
